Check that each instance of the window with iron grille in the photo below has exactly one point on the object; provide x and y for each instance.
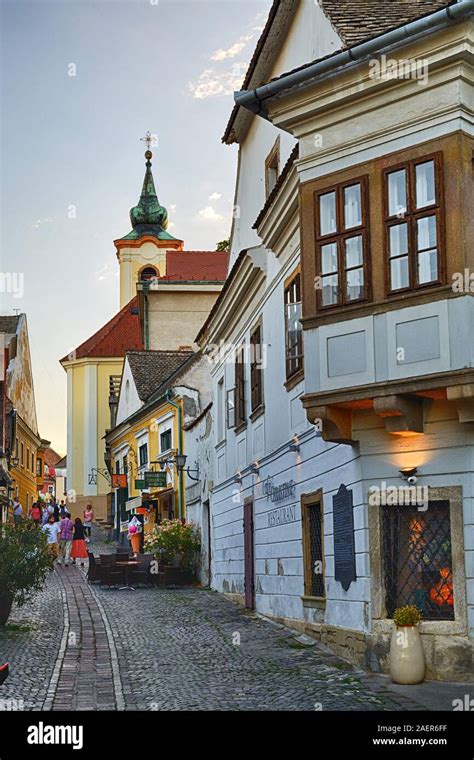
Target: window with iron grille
(312, 513)
(256, 371)
(240, 418)
(417, 559)
(293, 329)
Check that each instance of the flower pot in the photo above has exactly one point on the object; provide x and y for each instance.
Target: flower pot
(6, 602)
(407, 659)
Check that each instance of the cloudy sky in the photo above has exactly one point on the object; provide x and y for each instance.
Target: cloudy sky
(82, 81)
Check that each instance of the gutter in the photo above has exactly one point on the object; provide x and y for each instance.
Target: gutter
(253, 100)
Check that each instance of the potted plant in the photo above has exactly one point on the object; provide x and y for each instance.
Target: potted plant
(176, 545)
(25, 561)
(407, 659)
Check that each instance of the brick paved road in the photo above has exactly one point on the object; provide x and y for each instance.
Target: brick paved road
(185, 649)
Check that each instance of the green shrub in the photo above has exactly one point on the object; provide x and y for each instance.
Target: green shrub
(25, 560)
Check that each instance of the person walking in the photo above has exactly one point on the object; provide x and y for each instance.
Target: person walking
(62, 508)
(79, 548)
(55, 511)
(66, 533)
(17, 511)
(134, 531)
(51, 530)
(35, 514)
(88, 517)
(46, 514)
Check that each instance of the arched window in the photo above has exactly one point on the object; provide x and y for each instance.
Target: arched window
(148, 273)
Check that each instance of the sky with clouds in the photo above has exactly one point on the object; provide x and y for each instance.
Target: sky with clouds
(82, 81)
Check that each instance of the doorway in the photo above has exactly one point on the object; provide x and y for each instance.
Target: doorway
(249, 554)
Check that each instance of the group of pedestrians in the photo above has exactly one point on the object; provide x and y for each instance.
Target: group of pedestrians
(67, 540)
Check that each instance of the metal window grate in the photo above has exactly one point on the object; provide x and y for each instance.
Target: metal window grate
(316, 549)
(417, 559)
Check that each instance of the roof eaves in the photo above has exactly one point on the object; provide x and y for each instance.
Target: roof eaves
(231, 277)
(278, 184)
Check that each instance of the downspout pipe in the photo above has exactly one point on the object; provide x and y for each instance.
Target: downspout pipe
(253, 100)
(145, 316)
(180, 450)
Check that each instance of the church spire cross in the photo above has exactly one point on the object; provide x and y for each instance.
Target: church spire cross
(149, 140)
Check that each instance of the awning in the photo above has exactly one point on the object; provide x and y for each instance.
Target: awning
(133, 503)
(160, 494)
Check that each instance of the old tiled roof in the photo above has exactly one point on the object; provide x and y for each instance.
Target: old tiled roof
(353, 20)
(119, 335)
(150, 369)
(275, 190)
(51, 457)
(8, 324)
(359, 20)
(196, 265)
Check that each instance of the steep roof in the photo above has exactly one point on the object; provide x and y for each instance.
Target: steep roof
(266, 52)
(8, 324)
(51, 457)
(119, 335)
(354, 21)
(208, 266)
(148, 217)
(359, 20)
(150, 369)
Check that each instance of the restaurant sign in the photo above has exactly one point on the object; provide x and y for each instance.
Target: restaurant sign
(280, 492)
(155, 479)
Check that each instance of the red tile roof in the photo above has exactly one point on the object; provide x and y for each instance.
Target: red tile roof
(119, 335)
(207, 266)
(51, 457)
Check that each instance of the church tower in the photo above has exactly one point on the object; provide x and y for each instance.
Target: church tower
(142, 253)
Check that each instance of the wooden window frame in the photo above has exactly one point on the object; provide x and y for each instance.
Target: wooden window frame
(411, 217)
(308, 501)
(299, 359)
(240, 400)
(339, 237)
(140, 448)
(165, 432)
(256, 371)
(272, 158)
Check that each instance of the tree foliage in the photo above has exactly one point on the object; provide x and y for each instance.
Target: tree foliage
(25, 560)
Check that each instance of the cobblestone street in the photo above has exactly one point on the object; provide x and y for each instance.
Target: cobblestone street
(81, 647)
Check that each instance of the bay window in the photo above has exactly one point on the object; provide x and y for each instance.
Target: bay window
(413, 214)
(342, 244)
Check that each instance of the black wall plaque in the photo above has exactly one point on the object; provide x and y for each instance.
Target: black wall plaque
(344, 543)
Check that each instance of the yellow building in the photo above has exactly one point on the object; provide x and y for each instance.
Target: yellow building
(146, 255)
(161, 391)
(21, 438)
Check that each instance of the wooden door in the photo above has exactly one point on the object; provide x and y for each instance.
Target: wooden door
(249, 555)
